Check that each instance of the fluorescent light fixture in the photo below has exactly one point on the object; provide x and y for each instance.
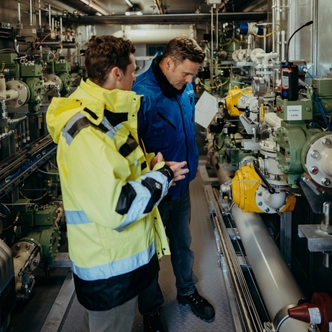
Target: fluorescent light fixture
(133, 10)
(96, 7)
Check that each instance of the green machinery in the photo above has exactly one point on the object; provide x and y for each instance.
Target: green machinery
(23, 75)
(301, 144)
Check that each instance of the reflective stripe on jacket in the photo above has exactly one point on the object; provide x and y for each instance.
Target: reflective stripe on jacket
(109, 193)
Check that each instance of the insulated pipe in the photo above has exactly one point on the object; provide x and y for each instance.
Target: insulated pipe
(31, 13)
(283, 43)
(278, 43)
(274, 201)
(211, 63)
(264, 39)
(222, 175)
(39, 15)
(19, 11)
(50, 16)
(275, 281)
(144, 36)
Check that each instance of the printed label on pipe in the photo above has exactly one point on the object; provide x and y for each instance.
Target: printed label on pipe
(315, 317)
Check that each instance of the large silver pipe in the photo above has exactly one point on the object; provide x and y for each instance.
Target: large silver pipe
(275, 281)
(222, 174)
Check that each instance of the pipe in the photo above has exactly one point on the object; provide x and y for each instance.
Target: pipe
(50, 16)
(211, 60)
(247, 308)
(278, 43)
(31, 13)
(283, 42)
(39, 15)
(19, 11)
(61, 29)
(145, 36)
(217, 30)
(274, 201)
(272, 120)
(169, 18)
(264, 39)
(159, 6)
(275, 281)
(222, 174)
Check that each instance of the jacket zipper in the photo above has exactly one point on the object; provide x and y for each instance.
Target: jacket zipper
(140, 141)
(185, 133)
(166, 120)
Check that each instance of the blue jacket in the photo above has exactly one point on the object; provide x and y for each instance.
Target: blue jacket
(167, 123)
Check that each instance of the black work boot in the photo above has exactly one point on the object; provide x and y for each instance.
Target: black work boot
(152, 323)
(199, 306)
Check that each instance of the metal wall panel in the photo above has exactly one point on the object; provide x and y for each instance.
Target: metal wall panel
(312, 43)
(324, 42)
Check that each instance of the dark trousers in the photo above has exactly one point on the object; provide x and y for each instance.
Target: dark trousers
(176, 216)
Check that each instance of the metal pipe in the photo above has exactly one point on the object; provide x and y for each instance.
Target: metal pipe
(31, 13)
(49, 16)
(222, 174)
(211, 59)
(242, 294)
(61, 28)
(19, 11)
(217, 30)
(39, 14)
(283, 43)
(170, 18)
(275, 281)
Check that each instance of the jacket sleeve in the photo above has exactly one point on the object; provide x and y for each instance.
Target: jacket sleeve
(109, 188)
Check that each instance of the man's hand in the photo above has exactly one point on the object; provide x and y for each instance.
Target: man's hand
(156, 159)
(178, 170)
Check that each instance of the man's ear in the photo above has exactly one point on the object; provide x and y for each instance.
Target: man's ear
(168, 61)
(116, 73)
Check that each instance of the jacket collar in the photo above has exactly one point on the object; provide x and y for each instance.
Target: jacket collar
(98, 99)
(167, 89)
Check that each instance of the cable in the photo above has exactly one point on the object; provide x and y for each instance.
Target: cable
(321, 109)
(7, 209)
(287, 47)
(15, 221)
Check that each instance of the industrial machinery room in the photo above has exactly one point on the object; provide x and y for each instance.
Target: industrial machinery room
(261, 218)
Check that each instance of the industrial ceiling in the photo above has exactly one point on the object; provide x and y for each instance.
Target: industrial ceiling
(164, 11)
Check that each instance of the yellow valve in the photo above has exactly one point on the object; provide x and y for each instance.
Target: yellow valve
(245, 185)
(234, 100)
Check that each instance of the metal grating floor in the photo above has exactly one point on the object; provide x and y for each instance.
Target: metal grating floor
(211, 283)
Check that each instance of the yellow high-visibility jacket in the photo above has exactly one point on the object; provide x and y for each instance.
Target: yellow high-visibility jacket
(110, 195)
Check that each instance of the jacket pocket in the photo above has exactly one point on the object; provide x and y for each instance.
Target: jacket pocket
(166, 120)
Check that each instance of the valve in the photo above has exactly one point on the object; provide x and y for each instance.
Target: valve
(318, 311)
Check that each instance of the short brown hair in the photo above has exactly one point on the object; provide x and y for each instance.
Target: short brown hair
(104, 53)
(182, 48)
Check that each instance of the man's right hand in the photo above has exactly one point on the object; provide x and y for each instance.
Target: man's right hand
(178, 170)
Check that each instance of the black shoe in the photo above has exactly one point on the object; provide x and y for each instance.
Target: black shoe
(152, 323)
(199, 306)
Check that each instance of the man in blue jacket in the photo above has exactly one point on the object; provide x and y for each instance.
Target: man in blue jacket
(167, 124)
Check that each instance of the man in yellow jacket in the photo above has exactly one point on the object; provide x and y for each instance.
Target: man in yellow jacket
(110, 187)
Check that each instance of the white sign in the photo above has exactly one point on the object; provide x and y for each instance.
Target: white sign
(294, 112)
(206, 109)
